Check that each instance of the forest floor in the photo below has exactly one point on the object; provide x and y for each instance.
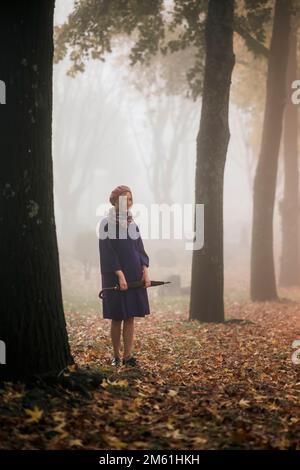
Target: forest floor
(198, 386)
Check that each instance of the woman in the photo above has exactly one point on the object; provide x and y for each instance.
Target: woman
(123, 259)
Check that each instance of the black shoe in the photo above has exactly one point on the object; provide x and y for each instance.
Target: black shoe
(131, 361)
(116, 361)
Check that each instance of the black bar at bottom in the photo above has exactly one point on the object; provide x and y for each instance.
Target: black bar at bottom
(135, 459)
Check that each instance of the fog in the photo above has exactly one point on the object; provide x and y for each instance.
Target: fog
(106, 132)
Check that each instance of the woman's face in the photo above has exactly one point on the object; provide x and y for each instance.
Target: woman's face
(129, 200)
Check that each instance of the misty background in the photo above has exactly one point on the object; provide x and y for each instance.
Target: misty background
(108, 130)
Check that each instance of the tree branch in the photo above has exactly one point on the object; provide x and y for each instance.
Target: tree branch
(253, 44)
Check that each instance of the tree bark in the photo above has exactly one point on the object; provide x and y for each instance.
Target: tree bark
(206, 303)
(263, 282)
(32, 322)
(289, 206)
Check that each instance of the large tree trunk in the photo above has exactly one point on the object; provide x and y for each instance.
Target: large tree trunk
(207, 302)
(289, 206)
(263, 283)
(32, 322)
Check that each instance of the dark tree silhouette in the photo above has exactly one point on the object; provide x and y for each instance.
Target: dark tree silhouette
(207, 302)
(32, 322)
(263, 283)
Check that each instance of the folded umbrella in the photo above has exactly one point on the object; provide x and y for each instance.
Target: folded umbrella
(133, 285)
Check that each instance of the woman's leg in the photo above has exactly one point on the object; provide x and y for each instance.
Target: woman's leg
(128, 336)
(116, 336)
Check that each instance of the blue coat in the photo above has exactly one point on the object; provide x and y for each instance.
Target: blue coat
(128, 255)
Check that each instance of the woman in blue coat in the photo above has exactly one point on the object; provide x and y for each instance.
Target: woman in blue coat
(123, 259)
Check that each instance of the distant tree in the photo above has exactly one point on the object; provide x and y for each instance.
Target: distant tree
(87, 136)
(161, 159)
(86, 252)
(289, 274)
(263, 284)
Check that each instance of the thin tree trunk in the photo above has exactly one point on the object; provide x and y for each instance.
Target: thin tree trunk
(32, 322)
(289, 206)
(263, 283)
(206, 303)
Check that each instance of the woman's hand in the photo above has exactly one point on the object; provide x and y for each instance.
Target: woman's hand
(122, 280)
(146, 277)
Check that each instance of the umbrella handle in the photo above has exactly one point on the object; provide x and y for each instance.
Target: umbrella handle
(116, 287)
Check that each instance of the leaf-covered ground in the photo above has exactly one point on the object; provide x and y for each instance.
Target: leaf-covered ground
(198, 386)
